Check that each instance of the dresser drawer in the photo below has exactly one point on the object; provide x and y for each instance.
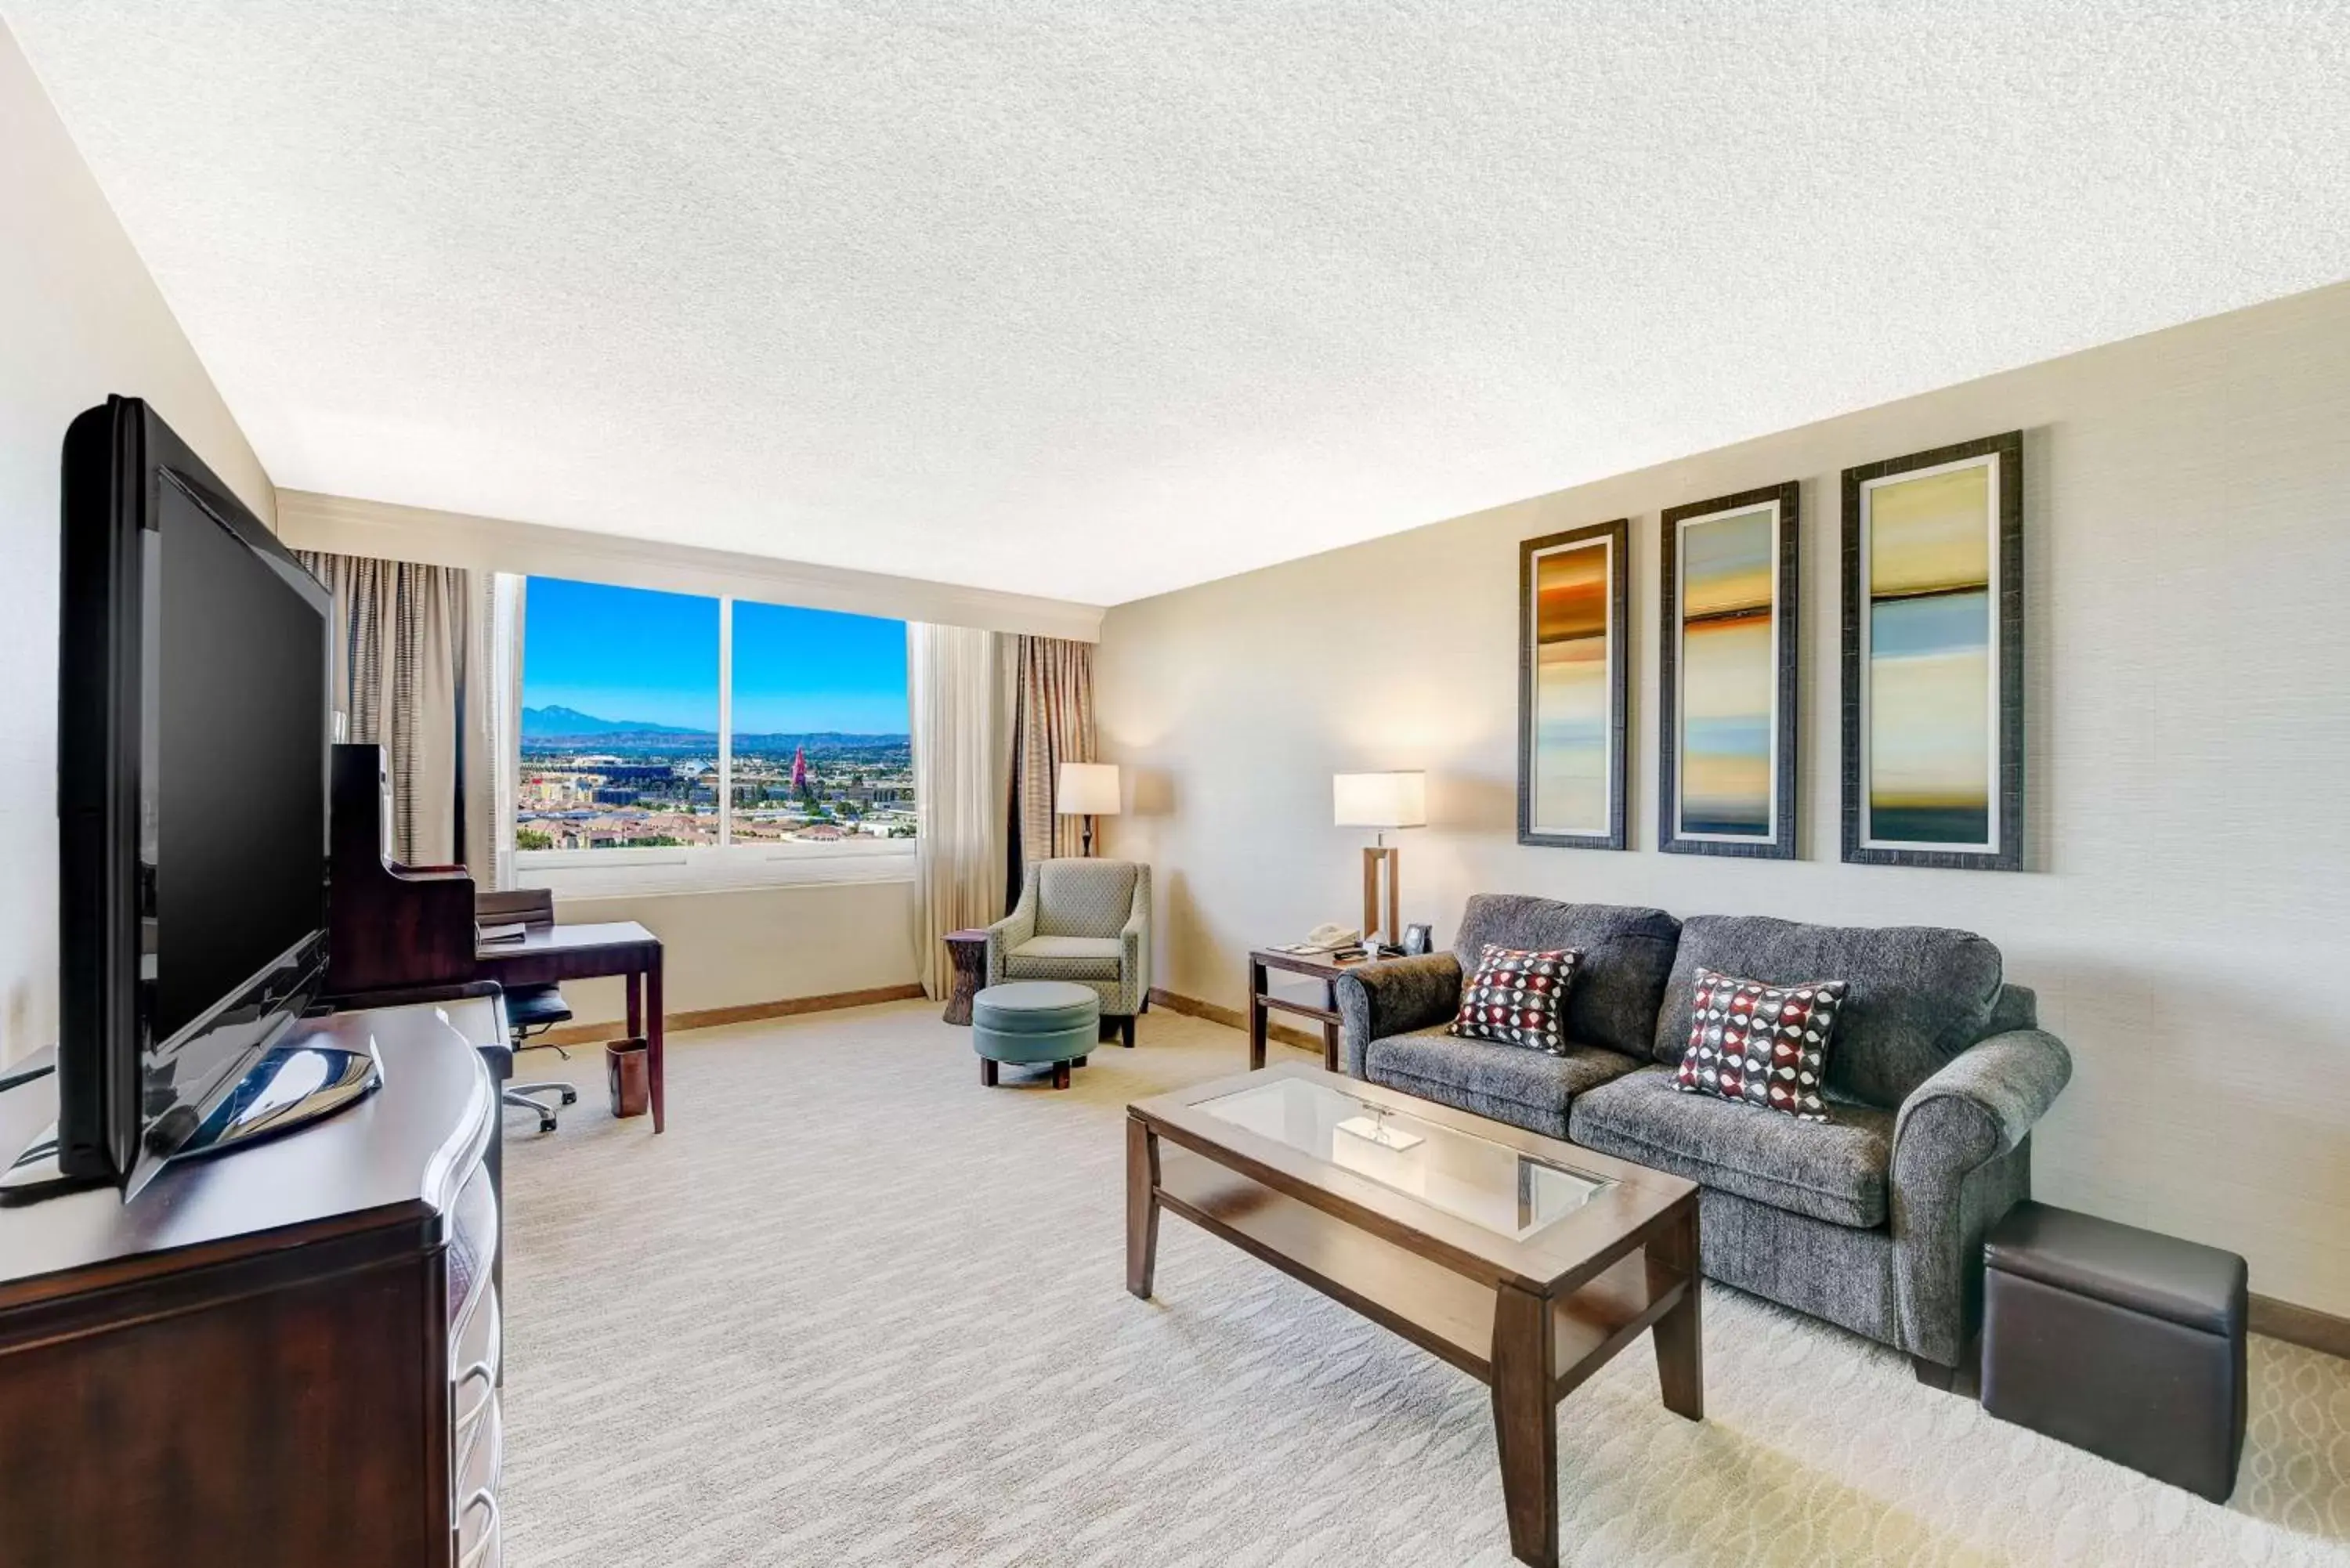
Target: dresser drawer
(472, 1244)
(478, 1542)
(475, 1366)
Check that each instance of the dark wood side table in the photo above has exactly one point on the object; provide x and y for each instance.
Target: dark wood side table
(1320, 966)
(968, 948)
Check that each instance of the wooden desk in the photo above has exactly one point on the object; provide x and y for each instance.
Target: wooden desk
(1322, 967)
(550, 955)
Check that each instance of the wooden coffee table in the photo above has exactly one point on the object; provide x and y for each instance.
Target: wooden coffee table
(1525, 1262)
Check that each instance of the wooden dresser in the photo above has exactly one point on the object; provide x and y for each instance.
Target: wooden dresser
(283, 1357)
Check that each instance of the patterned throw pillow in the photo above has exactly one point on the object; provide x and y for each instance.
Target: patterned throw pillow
(1764, 1044)
(1518, 997)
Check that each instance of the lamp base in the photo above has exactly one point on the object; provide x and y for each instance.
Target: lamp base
(1374, 857)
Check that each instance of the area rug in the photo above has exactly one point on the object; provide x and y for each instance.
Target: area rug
(853, 1308)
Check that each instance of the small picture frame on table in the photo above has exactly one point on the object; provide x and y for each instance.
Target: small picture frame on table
(1418, 940)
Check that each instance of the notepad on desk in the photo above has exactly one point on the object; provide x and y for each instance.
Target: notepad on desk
(487, 936)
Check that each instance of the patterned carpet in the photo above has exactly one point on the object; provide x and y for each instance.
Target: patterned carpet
(853, 1308)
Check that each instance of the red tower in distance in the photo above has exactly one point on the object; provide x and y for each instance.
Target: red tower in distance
(799, 771)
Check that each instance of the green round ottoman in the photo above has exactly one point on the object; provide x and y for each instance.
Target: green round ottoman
(1029, 1022)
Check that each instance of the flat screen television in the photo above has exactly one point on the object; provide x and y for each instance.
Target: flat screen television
(192, 744)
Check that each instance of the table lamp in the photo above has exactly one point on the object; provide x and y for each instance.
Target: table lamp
(1086, 790)
(1382, 801)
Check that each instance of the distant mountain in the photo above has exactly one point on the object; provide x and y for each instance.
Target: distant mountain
(558, 721)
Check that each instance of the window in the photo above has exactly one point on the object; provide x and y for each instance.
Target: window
(819, 727)
(671, 736)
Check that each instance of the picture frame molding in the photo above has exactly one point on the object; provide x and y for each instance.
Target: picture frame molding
(1787, 649)
(2008, 633)
(1617, 533)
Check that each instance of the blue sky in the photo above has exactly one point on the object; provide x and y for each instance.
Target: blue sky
(632, 654)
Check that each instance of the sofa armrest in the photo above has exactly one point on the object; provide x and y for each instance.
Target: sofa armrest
(1012, 929)
(1394, 996)
(1980, 1106)
(1961, 1160)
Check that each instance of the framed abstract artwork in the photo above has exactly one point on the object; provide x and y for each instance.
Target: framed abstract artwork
(1933, 657)
(1573, 687)
(1726, 686)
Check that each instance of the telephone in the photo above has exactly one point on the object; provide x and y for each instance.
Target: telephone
(1324, 937)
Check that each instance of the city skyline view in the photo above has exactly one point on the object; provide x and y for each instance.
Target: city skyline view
(619, 723)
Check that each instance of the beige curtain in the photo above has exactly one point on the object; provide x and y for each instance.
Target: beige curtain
(1053, 724)
(410, 675)
(958, 689)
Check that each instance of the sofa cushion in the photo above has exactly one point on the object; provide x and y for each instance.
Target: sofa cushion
(1919, 994)
(1064, 958)
(1517, 998)
(1627, 954)
(1832, 1170)
(1528, 1089)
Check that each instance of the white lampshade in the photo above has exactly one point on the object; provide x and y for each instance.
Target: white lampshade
(1086, 789)
(1381, 800)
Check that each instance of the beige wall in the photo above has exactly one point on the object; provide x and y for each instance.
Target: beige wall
(735, 946)
(2188, 916)
(79, 317)
(353, 528)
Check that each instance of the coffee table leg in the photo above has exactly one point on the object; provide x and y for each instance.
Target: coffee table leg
(1679, 1334)
(1142, 1208)
(1256, 1015)
(1524, 1428)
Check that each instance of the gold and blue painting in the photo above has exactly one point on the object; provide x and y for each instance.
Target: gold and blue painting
(1574, 591)
(1727, 681)
(1933, 657)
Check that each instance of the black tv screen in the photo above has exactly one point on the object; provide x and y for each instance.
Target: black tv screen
(192, 742)
(240, 813)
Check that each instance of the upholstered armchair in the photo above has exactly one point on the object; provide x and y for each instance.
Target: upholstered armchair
(1082, 920)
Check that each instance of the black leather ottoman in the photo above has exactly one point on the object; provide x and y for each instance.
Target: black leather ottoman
(2119, 1341)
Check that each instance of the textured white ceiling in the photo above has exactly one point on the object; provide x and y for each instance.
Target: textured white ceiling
(1096, 299)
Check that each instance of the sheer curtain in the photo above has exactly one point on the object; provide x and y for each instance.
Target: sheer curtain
(410, 676)
(958, 687)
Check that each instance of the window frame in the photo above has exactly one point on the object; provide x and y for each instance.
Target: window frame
(728, 864)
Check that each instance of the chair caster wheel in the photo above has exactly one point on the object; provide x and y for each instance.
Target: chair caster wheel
(547, 1124)
(570, 1096)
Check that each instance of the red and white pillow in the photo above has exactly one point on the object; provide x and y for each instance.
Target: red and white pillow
(1518, 997)
(1762, 1044)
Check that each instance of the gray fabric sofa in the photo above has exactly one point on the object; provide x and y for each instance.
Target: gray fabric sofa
(1872, 1219)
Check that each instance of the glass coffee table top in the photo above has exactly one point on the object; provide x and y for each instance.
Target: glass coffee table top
(1490, 1184)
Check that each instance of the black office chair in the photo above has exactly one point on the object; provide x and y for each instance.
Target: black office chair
(530, 1009)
